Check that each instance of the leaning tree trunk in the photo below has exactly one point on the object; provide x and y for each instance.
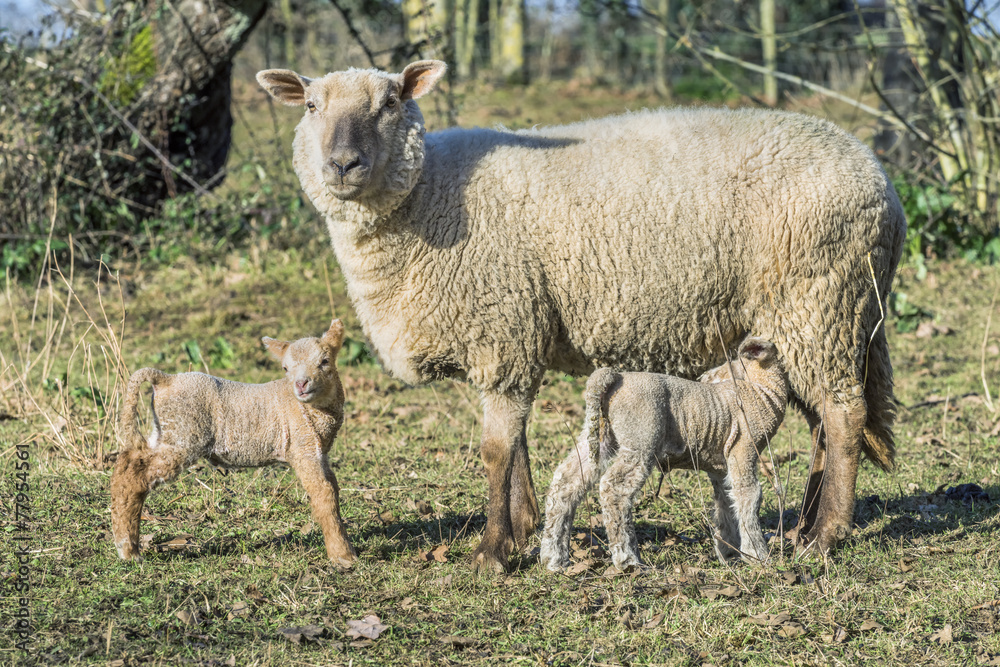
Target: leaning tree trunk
(182, 109)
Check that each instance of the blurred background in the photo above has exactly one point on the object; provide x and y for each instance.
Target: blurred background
(134, 132)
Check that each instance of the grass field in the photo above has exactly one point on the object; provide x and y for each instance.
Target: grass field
(235, 572)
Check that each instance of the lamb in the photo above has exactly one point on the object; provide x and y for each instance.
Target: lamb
(292, 420)
(649, 241)
(637, 420)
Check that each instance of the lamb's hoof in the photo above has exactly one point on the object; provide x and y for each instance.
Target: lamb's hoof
(554, 563)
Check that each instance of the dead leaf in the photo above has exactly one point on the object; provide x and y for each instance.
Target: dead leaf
(361, 643)
(579, 568)
(670, 592)
(654, 622)
(838, 636)
(145, 541)
(437, 554)
(906, 564)
(309, 633)
(407, 604)
(870, 624)
(386, 517)
(791, 629)
(443, 582)
(237, 610)
(728, 592)
(942, 636)
(988, 605)
(459, 642)
(370, 626)
(187, 617)
(789, 577)
(421, 507)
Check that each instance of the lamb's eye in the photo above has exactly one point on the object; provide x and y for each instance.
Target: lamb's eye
(284, 368)
(323, 363)
(310, 105)
(391, 102)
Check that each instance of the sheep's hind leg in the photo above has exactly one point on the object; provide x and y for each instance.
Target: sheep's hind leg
(571, 481)
(324, 497)
(504, 420)
(524, 514)
(843, 426)
(136, 472)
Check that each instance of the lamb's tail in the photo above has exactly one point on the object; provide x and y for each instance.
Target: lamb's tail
(129, 429)
(595, 420)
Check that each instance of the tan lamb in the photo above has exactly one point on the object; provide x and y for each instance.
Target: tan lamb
(293, 420)
(635, 421)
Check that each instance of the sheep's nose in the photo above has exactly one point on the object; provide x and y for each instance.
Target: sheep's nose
(300, 385)
(344, 162)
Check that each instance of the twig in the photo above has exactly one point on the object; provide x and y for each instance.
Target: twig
(346, 15)
(982, 354)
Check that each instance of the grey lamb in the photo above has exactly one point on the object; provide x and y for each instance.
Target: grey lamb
(637, 420)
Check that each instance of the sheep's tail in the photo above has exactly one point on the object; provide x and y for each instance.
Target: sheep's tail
(877, 442)
(129, 429)
(595, 420)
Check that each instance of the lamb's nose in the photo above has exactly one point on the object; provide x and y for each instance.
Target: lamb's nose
(300, 385)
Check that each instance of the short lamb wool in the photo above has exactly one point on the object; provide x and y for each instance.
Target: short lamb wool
(637, 420)
(292, 420)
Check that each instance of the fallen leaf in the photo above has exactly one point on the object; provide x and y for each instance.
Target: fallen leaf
(789, 577)
(906, 564)
(407, 604)
(438, 554)
(386, 517)
(791, 629)
(145, 541)
(670, 592)
(310, 633)
(370, 626)
(870, 624)
(654, 622)
(579, 568)
(421, 507)
(187, 617)
(943, 636)
(988, 605)
(728, 592)
(459, 642)
(838, 636)
(237, 610)
(443, 582)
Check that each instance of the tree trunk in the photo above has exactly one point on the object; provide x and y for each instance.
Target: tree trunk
(660, 70)
(183, 109)
(769, 46)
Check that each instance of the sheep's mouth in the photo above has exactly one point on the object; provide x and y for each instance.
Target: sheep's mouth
(305, 396)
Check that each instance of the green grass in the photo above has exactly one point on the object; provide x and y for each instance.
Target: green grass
(254, 562)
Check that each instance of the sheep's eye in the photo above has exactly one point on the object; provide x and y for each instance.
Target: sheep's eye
(310, 105)
(391, 102)
(324, 362)
(284, 368)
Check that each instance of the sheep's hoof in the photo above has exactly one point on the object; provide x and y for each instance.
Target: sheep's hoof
(818, 542)
(486, 562)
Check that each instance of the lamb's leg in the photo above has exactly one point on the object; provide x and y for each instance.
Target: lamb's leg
(727, 541)
(571, 481)
(324, 497)
(136, 472)
(746, 496)
(843, 425)
(504, 420)
(620, 487)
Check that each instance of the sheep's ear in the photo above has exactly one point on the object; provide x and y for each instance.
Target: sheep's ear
(334, 336)
(284, 85)
(419, 78)
(757, 349)
(276, 347)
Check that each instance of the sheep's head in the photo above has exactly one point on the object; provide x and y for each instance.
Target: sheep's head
(310, 364)
(355, 140)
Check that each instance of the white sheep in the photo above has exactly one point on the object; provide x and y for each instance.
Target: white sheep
(635, 241)
(635, 421)
(293, 420)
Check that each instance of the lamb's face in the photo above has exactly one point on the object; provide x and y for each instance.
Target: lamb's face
(356, 123)
(310, 365)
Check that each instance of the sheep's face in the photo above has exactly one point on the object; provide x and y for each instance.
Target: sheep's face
(310, 365)
(356, 124)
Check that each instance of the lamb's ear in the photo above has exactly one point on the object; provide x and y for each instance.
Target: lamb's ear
(419, 78)
(757, 349)
(284, 85)
(334, 336)
(276, 347)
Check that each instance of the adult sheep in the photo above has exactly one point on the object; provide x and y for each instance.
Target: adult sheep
(635, 241)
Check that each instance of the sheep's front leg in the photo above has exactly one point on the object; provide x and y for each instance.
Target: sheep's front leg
(136, 472)
(504, 420)
(524, 514)
(620, 487)
(571, 481)
(324, 497)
